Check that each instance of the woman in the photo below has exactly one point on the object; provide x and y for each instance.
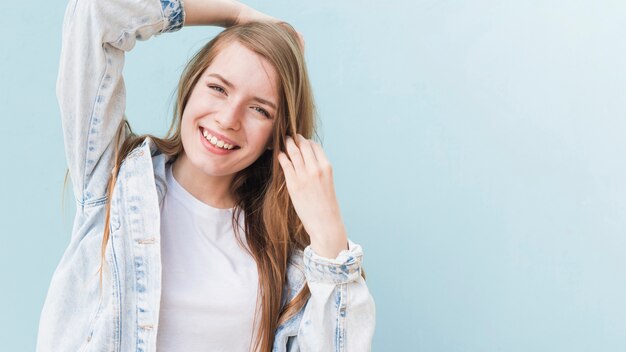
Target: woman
(226, 234)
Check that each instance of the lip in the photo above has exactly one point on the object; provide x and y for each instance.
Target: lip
(210, 147)
(219, 136)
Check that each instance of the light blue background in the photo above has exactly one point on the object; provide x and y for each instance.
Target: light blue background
(478, 150)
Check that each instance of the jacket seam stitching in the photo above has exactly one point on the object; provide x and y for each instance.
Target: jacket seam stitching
(340, 321)
(89, 137)
(118, 322)
(93, 109)
(92, 203)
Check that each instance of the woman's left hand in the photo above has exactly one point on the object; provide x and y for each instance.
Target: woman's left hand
(309, 179)
(226, 13)
(248, 14)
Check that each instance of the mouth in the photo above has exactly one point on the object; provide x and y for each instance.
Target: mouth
(218, 141)
(214, 144)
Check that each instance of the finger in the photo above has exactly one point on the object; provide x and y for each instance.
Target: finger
(247, 14)
(322, 160)
(287, 167)
(308, 155)
(294, 155)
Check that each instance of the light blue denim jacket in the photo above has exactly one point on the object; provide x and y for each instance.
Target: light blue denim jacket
(340, 314)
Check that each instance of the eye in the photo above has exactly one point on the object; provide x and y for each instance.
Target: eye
(217, 88)
(262, 111)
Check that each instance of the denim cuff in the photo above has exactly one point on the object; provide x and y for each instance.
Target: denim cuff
(343, 269)
(174, 13)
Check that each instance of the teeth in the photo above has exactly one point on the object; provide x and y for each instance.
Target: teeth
(216, 142)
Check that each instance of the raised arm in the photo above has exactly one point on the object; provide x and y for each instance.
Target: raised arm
(90, 87)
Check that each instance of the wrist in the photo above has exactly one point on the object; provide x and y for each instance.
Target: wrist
(223, 13)
(330, 245)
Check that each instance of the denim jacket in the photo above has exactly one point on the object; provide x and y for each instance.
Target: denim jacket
(339, 315)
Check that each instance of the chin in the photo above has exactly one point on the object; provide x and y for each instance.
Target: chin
(213, 170)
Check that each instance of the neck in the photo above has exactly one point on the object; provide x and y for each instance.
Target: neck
(211, 190)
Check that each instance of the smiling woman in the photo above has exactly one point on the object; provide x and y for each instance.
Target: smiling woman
(225, 234)
(229, 111)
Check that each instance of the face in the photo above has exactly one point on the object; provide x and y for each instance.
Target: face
(233, 104)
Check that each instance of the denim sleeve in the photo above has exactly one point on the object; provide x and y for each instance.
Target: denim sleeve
(340, 314)
(90, 87)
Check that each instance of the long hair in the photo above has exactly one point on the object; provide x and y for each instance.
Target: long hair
(273, 229)
(272, 226)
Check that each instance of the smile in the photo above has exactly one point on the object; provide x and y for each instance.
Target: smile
(216, 145)
(216, 141)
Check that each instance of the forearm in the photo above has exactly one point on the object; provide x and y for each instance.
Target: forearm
(330, 245)
(223, 13)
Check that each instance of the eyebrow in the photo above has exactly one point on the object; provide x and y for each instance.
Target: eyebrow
(232, 86)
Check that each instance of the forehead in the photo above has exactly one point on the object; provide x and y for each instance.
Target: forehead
(245, 69)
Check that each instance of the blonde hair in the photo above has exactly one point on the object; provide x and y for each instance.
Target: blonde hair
(273, 229)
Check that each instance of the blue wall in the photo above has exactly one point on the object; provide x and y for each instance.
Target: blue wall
(478, 148)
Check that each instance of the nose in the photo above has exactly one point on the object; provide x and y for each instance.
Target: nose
(229, 116)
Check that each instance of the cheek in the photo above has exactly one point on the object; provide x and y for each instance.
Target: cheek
(188, 128)
(258, 135)
(264, 132)
(199, 103)
(193, 110)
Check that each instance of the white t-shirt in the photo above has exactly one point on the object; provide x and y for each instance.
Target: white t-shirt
(210, 283)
